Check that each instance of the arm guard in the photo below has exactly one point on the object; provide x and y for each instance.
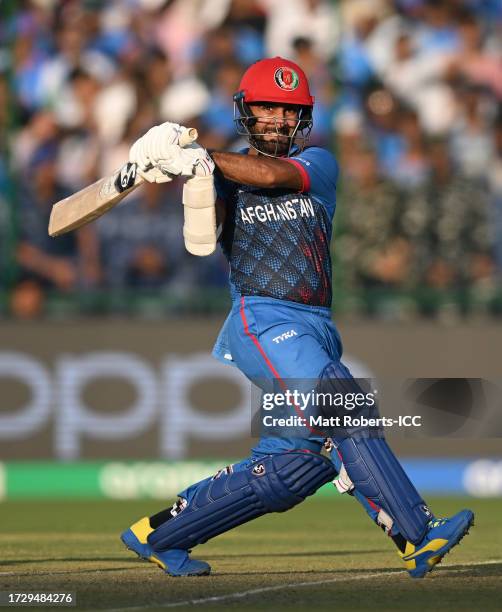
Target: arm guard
(199, 229)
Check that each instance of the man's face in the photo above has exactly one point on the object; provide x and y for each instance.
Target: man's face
(274, 125)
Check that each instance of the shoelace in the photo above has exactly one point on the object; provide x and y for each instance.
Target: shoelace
(437, 522)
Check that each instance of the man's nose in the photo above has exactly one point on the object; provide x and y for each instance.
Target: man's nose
(280, 117)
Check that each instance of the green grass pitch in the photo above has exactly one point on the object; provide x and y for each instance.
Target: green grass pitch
(324, 554)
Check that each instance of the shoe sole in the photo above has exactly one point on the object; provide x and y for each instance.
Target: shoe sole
(442, 552)
(161, 565)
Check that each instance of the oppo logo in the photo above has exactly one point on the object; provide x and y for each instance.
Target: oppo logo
(162, 398)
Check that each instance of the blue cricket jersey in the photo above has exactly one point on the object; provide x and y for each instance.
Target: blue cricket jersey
(277, 241)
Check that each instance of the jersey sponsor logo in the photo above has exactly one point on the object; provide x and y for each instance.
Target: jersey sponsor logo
(286, 78)
(278, 211)
(284, 336)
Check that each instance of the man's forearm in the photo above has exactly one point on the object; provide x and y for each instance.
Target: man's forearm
(258, 171)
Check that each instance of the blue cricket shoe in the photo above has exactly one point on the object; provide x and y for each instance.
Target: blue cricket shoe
(442, 535)
(175, 562)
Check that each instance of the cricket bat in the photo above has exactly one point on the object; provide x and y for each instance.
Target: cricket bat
(93, 201)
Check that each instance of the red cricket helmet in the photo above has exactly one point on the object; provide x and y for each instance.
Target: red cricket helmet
(276, 79)
(279, 81)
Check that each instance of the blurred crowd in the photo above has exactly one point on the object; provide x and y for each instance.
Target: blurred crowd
(408, 95)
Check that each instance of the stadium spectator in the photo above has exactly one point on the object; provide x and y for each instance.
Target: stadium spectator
(412, 166)
(218, 119)
(495, 185)
(66, 263)
(382, 127)
(418, 80)
(461, 241)
(314, 19)
(355, 64)
(140, 243)
(478, 62)
(437, 31)
(322, 87)
(471, 138)
(372, 252)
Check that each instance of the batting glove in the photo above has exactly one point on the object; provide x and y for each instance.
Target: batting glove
(148, 149)
(192, 160)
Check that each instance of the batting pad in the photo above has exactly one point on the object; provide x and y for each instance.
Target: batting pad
(273, 484)
(378, 475)
(374, 470)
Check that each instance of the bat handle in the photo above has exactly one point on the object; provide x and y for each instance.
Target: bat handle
(187, 136)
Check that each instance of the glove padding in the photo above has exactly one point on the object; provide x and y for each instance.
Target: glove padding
(192, 160)
(159, 157)
(149, 147)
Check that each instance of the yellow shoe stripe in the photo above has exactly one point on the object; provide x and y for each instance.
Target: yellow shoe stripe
(432, 546)
(157, 562)
(409, 549)
(142, 529)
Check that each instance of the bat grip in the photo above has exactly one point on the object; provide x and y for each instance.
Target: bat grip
(187, 136)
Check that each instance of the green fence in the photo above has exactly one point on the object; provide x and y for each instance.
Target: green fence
(106, 480)
(122, 480)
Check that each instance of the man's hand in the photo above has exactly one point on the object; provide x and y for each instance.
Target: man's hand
(193, 160)
(150, 146)
(159, 156)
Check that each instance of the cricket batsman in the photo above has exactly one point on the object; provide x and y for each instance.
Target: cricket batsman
(276, 202)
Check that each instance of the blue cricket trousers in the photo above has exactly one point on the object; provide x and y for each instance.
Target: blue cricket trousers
(275, 339)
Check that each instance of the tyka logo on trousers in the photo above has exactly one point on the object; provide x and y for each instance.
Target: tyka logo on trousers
(285, 336)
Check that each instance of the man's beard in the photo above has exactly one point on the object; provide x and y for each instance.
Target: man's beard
(277, 147)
